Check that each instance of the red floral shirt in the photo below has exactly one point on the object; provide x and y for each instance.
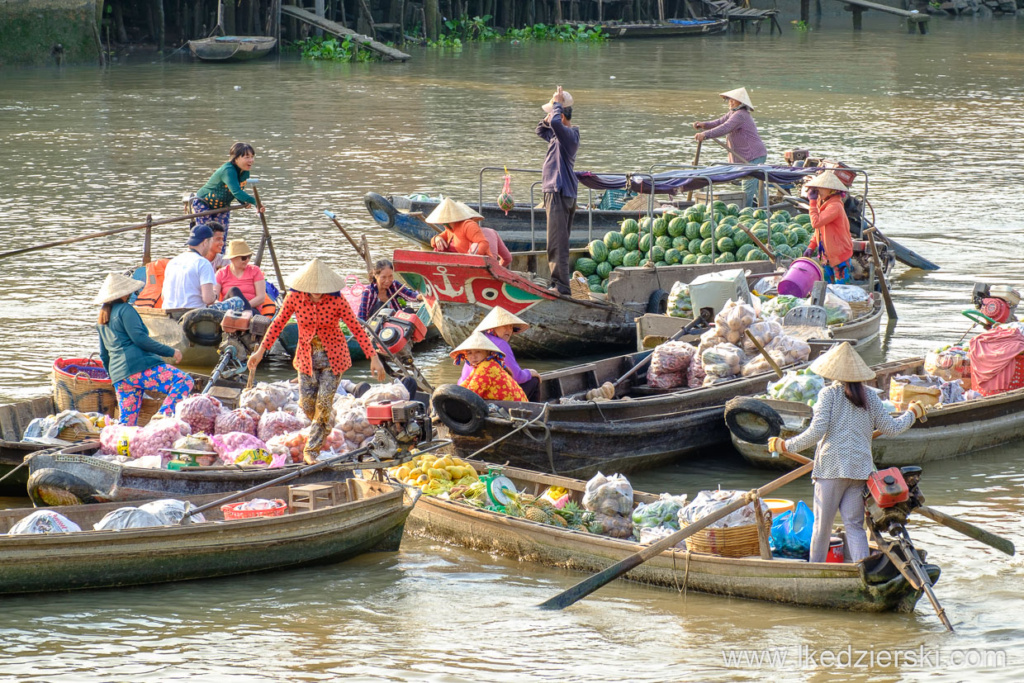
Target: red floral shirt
(319, 319)
(492, 382)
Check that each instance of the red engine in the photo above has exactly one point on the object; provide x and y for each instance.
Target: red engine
(997, 309)
(400, 329)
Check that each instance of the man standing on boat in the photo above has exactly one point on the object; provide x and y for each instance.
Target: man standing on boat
(558, 182)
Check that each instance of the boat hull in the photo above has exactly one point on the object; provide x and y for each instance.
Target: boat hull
(231, 48)
(669, 29)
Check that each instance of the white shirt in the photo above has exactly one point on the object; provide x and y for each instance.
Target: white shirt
(184, 277)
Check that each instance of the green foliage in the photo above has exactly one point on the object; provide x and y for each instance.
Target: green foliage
(456, 32)
(562, 33)
(330, 49)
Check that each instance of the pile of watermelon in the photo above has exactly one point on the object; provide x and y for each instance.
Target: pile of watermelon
(690, 237)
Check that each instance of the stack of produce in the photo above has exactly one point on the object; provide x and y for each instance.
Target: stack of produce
(543, 511)
(436, 475)
(679, 303)
(610, 499)
(669, 363)
(707, 502)
(264, 397)
(699, 235)
(797, 385)
(950, 363)
(654, 521)
(200, 412)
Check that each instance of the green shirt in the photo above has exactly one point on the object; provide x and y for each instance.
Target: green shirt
(225, 183)
(125, 345)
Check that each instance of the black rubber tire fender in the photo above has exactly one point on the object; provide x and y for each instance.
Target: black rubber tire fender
(752, 420)
(461, 410)
(49, 487)
(198, 325)
(381, 209)
(658, 302)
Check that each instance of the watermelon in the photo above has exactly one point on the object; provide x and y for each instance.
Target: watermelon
(803, 219)
(778, 238)
(604, 285)
(760, 225)
(689, 259)
(680, 243)
(672, 256)
(730, 220)
(660, 227)
(802, 236)
(761, 214)
(597, 288)
(692, 230)
(665, 242)
(613, 240)
(645, 242)
(747, 211)
(703, 258)
(726, 244)
(740, 238)
(632, 259)
(727, 257)
(732, 209)
(604, 269)
(661, 264)
(719, 206)
(644, 261)
(694, 246)
(645, 224)
(783, 250)
(631, 242)
(742, 251)
(598, 251)
(723, 231)
(677, 227)
(615, 256)
(657, 254)
(706, 230)
(629, 227)
(782, 215)
(792, 238)
(762, 235)
(697, 210)
(706, 246)
(756, 255)
(594, 279)
(585, 265)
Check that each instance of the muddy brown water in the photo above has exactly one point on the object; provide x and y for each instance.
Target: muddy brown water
(935, 120)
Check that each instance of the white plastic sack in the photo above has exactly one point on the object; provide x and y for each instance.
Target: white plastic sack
(609, 495)
(170, 511)
(707, 502)
(849, 293)
(394, 391)
(44, 522)
(127, 518)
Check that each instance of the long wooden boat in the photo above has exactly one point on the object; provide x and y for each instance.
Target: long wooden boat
(952, 430)
(672, 28)
(863, 586)
(231, 48)
(460, 289)
(650, 427)
(369, 516)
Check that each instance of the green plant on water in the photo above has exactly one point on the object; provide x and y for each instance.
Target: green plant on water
(801, 25)
(477, 30)
(331, 49)
(562, 33)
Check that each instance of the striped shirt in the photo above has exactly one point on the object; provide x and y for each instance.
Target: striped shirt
(843, 433)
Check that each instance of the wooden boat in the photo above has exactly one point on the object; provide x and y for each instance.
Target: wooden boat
(369, 516)
(860, 587)
(671, 28)
(460, 289)
(650, 428)
(951, 431)
(231, 48)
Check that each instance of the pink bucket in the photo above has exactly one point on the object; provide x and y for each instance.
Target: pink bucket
(800, 278)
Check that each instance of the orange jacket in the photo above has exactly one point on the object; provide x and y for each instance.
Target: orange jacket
(462, 236)
(831, 229)
(151, 296)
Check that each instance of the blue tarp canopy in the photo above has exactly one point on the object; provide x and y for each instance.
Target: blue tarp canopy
(671, 182)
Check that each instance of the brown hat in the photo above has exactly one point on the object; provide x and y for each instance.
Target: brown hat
(316, 277)
(451, 211)
(498, 317)
(844, 364)
(237, 248)
(117, 286)
(829, 181)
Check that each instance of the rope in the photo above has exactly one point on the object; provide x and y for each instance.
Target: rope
(686, 575)
(547, 437)
(519, 428)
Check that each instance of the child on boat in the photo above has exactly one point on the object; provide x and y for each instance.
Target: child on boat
(489, 378)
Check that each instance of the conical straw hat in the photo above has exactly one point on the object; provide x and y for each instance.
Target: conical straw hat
(451, 211)
(740, 95)
(844, 364)
(828, 180)
(316, 277)
(477, 341)
(499, 317)
(117, 286)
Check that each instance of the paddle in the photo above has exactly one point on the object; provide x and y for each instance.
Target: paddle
(890, 309)
(760, 245)
(359, 250)
(696, 158)
(764, 354)
(591, 584)
(270, 242)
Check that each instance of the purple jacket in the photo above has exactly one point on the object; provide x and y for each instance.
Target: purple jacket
(563, 143)
(741, 131)
(518, 374)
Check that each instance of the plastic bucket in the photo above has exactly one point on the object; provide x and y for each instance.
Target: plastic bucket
(835, 550)
(779, 505)
(800, 278)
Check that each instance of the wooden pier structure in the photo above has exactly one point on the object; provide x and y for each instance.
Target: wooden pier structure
(913, 17)
(388, 52)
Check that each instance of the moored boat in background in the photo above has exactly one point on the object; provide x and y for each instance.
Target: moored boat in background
(231, 48)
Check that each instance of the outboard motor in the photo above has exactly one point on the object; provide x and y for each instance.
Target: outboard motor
(998, 302)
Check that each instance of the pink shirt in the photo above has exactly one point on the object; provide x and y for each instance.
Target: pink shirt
(247, 283)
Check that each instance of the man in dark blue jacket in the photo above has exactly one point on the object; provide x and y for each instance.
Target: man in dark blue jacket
(559, 183)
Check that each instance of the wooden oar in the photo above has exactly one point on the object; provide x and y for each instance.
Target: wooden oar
(365, 254)
(117, 231)
(696, 159)
(890, 309)
(764, 354)
(270, 242)
(760, 244)
(591, 584)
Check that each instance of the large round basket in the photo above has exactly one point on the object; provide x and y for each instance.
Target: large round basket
(82, 384)
(733, 541)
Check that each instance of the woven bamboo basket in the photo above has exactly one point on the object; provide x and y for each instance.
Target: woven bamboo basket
(734, 541)
(82, 384)
(578, 286)
(151, 403)
(76, 434)
(861, 308)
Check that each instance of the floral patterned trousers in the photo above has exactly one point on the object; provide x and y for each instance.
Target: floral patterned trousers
(316, 398)
(164, 379)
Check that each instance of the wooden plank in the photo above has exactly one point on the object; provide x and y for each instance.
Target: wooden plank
(866, 5)
(24, 416)
(8, 428)
(339, 30)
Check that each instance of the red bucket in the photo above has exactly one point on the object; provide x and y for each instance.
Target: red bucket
(835, 550)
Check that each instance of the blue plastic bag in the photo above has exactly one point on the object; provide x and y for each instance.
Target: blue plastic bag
(792, 531)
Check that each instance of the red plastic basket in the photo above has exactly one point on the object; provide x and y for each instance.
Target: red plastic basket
(231, 510)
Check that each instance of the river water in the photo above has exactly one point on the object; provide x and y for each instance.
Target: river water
(934, 119)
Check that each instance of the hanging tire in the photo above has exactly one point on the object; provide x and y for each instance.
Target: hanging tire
(48, 487)
(752, 420)
(202, 326)
(381, 209)
(462, 411)
(658, 302)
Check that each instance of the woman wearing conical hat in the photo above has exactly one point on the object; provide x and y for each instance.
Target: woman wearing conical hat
(740, 133)
(499, 325)
(488, 377)
(134, 360)
(845, 416)
(321, 356)
(463, 233)
(832, 243)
